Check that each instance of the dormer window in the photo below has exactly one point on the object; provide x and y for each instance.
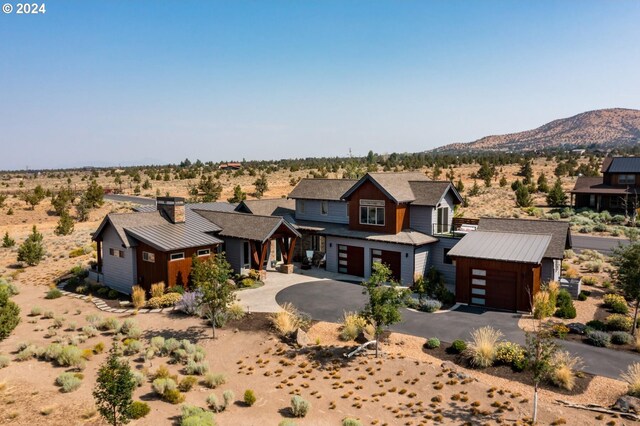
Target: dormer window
(626, 179)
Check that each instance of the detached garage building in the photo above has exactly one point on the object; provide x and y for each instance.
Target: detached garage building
(498, 269)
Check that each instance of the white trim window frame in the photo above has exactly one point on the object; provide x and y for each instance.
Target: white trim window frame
(176, 256)
(372, 212)
(148, 257)
(204, 252)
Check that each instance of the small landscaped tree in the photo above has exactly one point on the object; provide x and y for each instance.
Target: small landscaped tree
(31, 251)
(114, 386)
(556, 196)
(211, 277)
(385, 299)
(540, 348)
(627, 260)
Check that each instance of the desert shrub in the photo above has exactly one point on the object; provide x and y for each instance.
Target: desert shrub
(54, 293)
(563, 366)
(197, 368)
(27, 353)
(430, 305)
(228, 397)
(69, 382)
(134, 333)
(235, 312)
(287, 422)
(71, 356)
(616, 303)
(157, 289)
(592, 281)
(213, 380)
(89, 331)
(618, 322)
(157, 343)
(4, 361)
(352, 325)
(212, 403)
(348, 421)
(481, 351)
(93, 319)
(132, 346)
(36, 311)
(598, 338)
(432, 343)
(249, 397)
(560, 330)
(621, 338)
(187, 383)
(594, 265)
(196, 416)
(299, 406)
(457, 347)
(110, 324)
(632, 377)
(288, 320)
(139, 377)
(568, 254)
(572, 272)
(52, 352)
(162, 385)
(509, 353)
(596, 325)
(189, 303)
(139, 409)
(138, 296)
(164, 301)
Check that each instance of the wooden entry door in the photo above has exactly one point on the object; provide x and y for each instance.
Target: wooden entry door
(393, 259)
(351, 260)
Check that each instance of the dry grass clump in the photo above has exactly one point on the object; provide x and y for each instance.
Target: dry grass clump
(632, 377)
(288, 320)
(138, 296)
(157, 289)
(482, 349)
(352, 325)
(564, 367)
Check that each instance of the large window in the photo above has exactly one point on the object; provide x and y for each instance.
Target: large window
(372, 212)
(626, 179)
(148, 257)
(324, 207)
(443, 220)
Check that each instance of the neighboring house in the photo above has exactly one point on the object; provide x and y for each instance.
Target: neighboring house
(230, 166)
(383, 217)
(616, 190)
(157, 243)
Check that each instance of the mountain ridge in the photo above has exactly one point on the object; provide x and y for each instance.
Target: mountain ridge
(602, 128)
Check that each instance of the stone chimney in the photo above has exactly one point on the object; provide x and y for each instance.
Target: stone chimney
(172, 208)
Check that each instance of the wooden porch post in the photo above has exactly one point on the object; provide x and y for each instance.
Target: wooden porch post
(254, 254)
(263, 254)
(99, 250)
(292, 245)
(282, 243)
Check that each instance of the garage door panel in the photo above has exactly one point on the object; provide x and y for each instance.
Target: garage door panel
(493, 288)
(351, 260)
(393, 259)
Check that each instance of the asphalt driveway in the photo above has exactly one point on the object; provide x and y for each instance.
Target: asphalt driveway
(327, 300)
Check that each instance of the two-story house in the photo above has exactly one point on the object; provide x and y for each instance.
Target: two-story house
(616, 190)
(383, 217)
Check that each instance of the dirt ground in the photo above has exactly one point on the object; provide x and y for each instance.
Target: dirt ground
(396, 389)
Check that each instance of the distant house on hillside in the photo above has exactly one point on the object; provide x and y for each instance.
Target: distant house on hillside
(230, 166)
(616, 190)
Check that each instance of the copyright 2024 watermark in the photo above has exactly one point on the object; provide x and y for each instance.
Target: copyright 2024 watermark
(24, 8)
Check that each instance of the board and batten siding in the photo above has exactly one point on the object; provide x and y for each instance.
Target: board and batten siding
(422, 219)
(421, 260)
(551, 269)
(447, 200)
(337, 212)
(406, 255)
(448, 271)
(233, 251)
(119, 272)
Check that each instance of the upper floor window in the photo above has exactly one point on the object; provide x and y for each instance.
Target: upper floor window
(372, 212)
(176, 256)
(324, 207)
(627, 179)
(116, 253)
(148, 257)
(347, 209)
(301, 206)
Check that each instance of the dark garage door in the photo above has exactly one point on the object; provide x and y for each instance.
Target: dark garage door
(393, 259)
(493, 288)
(351, 260)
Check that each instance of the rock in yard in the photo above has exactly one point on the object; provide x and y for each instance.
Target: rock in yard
(627, 404)
(576, 328)
(302, 339)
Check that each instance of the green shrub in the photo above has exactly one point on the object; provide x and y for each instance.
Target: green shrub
(164, 301)
(582, 296)
(351, 422)
(616, 303)
(139, 409)
(173, 396)
(176, 289)
(54, 293)
(457, 347)
(565, 306)
(299, 406)
(621, 338)
(112, 294)
(196, 416)
(598, 338)
(249, 397)
(213, 380)
(596, 325)
(197, 368)
(432, 343)
(4, 361)
(9, 314)
(187, 383)
(618, 322)
(560, 330)
(509, 353)
(68, 382)
(71, 356)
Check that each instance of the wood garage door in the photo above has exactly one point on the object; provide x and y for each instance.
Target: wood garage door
(351, 260)
(493, 288)
(393, 259)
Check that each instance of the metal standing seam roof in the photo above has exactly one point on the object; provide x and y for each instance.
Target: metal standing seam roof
(502, 246)
(321, 189)
(624, 165)
(121, 221)
(172, 236)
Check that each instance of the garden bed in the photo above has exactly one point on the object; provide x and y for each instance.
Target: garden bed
(86, 289)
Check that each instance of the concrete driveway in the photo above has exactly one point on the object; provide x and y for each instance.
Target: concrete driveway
(327, 300)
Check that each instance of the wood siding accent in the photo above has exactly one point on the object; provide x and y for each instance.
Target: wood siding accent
(612, 179)
(368, 191)
(526, 284)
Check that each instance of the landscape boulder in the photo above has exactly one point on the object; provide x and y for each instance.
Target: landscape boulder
(576, 328)
(301, 337)
(627, 404)
(364, 337)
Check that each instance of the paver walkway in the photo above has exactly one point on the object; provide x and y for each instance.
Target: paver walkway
(327, 300)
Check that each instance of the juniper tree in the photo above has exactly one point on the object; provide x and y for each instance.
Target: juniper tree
(523, 199)
(7, 241)
(556, 196)
(114, 389)
(9, 313)
(65, 224)
(238, 195)
(94, 195)
(32, 250)
(627, 260)
(261, 185)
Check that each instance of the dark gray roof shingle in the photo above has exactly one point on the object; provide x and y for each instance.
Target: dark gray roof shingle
(429, 193)
(269, 207)
(503, 246)
(321, 189)
(559, 231)
(244, 225)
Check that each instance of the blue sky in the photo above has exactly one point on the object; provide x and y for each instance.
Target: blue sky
(129, 82)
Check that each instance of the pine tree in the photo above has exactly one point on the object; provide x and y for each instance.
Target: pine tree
(238, 194)
(523, 198)
(543, 185)
(556, 196)
(32, 250)
(261, 186)
(503, 181)
(9, 313)
(475, 189)
(7, 241)
(527, 172)
(65, 224)
(460, 186)
(94, 195)
(114, 389)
